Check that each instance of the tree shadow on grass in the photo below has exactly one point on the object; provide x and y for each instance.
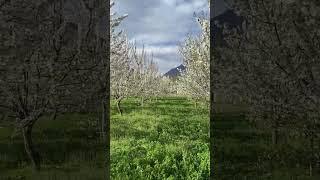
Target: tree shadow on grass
(65, 147)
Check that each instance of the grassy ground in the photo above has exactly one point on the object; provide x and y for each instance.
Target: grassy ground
(164, 139)
(69, 147)
(244, 152)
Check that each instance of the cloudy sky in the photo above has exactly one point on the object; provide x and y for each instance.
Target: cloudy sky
(161, 25)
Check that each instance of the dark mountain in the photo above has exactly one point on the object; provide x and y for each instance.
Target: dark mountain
(228, 17)
(175, 72)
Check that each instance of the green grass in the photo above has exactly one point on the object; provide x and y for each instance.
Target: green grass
(244, 152)
(164, 139)
(70, 149)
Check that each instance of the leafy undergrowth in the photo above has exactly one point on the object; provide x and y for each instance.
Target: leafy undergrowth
(164, 139)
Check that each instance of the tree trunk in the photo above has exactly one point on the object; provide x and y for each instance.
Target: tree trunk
(54, 115)
(142, 102)
(4, 117)
(312, 156)
(211, 131)
(119, 106)
(104, 119)
(30, 150)
(312, 161)
(107, 134)
(275, 135)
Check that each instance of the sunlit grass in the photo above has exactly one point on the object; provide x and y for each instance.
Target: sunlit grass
(164, 139)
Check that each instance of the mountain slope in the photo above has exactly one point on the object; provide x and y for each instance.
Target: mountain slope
(175, 72)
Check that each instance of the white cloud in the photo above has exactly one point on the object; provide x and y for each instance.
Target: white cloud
(169, 2)
(165, 56)
(160, 25)
(157, 38)
(165, 65)
(160, 50)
